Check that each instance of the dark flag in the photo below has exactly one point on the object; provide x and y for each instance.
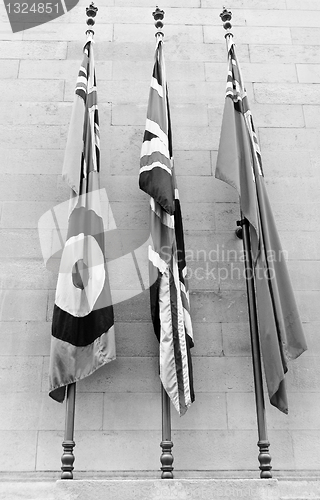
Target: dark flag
(239, 164)
(82, 325)
(169, 296)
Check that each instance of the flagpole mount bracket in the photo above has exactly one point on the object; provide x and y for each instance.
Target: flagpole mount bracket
(158, 16)
(91, 13)
(238, 231)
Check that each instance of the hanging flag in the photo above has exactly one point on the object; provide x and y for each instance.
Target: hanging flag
(239, 164)
(82, 325)
(169, 296)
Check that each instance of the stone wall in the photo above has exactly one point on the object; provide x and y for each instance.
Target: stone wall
(118, 415)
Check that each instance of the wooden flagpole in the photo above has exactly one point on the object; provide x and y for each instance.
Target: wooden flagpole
(68, 444)
(264, 456)
(166, 444)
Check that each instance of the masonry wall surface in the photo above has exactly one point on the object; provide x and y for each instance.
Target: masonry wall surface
(118, 416)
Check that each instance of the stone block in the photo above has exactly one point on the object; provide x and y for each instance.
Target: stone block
(306, 449)
(193, 163)
(25, 338)
(208, 306)
(303, 372)
(176, 489)
(204, 189)
(124, 375)
(10, 68)
(250, 35)
(273, 93)
(305, 36)
(210, 374)
(207, 412)
(311, 114)
(292, 18)
(144, 414)
(32, 90)
(306, 189)
(226, 215)
(25, 274)
(300, 243)
(34, 136)
(22, 243)
(11, 442)
(305, 54)
(203, 218)
(20, 305)
(196, 138)
(277, 115)
(207, 339)
(236, 339)
(24, 215)
(278, 164)
(136, 339)
(25, 490)
(11, 49)
(129, 114)
(61, 70)
(248, 4)
(20, 374)
(298, 418)
(16, 160)
(308, 4)
(305, 274)
(297, 139)
(177, 33)
(213, 246)
(239, 375)
(33, 113)
(60, 32)
(308, 73)
(311, 331)
(148, 3)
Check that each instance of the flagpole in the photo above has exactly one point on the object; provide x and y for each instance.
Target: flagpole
(243, 232)
(166, 444)
(68, 444)
(264, 456)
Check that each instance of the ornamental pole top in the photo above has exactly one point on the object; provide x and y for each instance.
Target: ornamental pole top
(91, 12)
(226, 16)
(158, 16)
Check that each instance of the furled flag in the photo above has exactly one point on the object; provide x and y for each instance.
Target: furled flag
(239, 164)
(169, 296)
(82, 325)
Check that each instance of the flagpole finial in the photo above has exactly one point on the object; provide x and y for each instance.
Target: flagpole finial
(91, 12)
(158, 16)
(226, 16)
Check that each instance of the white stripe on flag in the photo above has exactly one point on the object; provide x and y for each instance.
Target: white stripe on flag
(155, 129)
(149, 147)
(155, 85)
(156, 260)
(166, 219)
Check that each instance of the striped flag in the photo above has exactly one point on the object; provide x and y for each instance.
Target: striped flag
(239, 164)
(169, 296)
(82, 325)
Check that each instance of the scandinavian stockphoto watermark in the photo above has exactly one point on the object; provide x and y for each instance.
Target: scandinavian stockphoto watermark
(98, 251)
(26, 14)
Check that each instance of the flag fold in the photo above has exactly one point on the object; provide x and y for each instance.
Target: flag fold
(239, 164)
(169, 295)
(82, 324)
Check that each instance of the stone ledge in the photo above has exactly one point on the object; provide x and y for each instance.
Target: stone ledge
(176, 489)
